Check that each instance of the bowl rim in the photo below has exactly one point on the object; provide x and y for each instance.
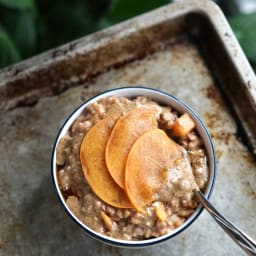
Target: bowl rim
(141, 243)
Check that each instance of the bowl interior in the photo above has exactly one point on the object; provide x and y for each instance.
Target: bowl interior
(164, 99)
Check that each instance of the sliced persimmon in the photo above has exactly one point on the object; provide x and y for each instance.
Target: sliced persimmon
(92, 156)
(148, 161)
(126, 130)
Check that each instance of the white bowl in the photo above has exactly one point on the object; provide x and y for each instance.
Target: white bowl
(162, 98)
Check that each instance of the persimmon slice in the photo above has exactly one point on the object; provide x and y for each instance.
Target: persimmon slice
(148, 161)
(126, 130)
(92, 156)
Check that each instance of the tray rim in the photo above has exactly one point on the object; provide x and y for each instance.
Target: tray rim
(100, 38)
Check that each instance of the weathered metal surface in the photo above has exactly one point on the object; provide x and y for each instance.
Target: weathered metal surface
(32, 220)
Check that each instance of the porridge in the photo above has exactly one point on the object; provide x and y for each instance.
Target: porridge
(127, 168)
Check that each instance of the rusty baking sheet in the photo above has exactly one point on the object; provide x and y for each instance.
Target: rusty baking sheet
(187, 49)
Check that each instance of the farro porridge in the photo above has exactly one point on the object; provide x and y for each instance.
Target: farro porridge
(172, 203)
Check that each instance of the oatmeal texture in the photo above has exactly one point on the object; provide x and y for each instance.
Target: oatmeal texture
(173, 203)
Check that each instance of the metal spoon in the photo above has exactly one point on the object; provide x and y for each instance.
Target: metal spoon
(243, 240)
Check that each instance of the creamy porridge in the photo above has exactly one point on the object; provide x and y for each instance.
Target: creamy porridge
(168, 206)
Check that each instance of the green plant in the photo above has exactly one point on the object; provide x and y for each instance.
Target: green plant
(17, 30)
(244, 28)
(28, 27)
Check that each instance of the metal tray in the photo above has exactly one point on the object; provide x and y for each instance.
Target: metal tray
(187, 49)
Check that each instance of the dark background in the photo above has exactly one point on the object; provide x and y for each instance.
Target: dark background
(29, 27)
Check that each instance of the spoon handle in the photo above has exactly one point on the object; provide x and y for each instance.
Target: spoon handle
(243, 240)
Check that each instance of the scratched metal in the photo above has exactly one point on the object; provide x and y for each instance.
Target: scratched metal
(32, 221)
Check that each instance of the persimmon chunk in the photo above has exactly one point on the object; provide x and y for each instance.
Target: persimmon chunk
(126, 130)
(92, 157)
(183, 125)
(148, 162)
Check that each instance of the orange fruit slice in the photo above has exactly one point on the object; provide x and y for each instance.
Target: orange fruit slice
(148, 161)
(126, 130)
(92, 156)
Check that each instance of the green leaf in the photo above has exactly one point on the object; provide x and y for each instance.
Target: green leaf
(8, 52)
(122, 9)
(21, 27)
(62, 21)
(18, 4)
(244, 28)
